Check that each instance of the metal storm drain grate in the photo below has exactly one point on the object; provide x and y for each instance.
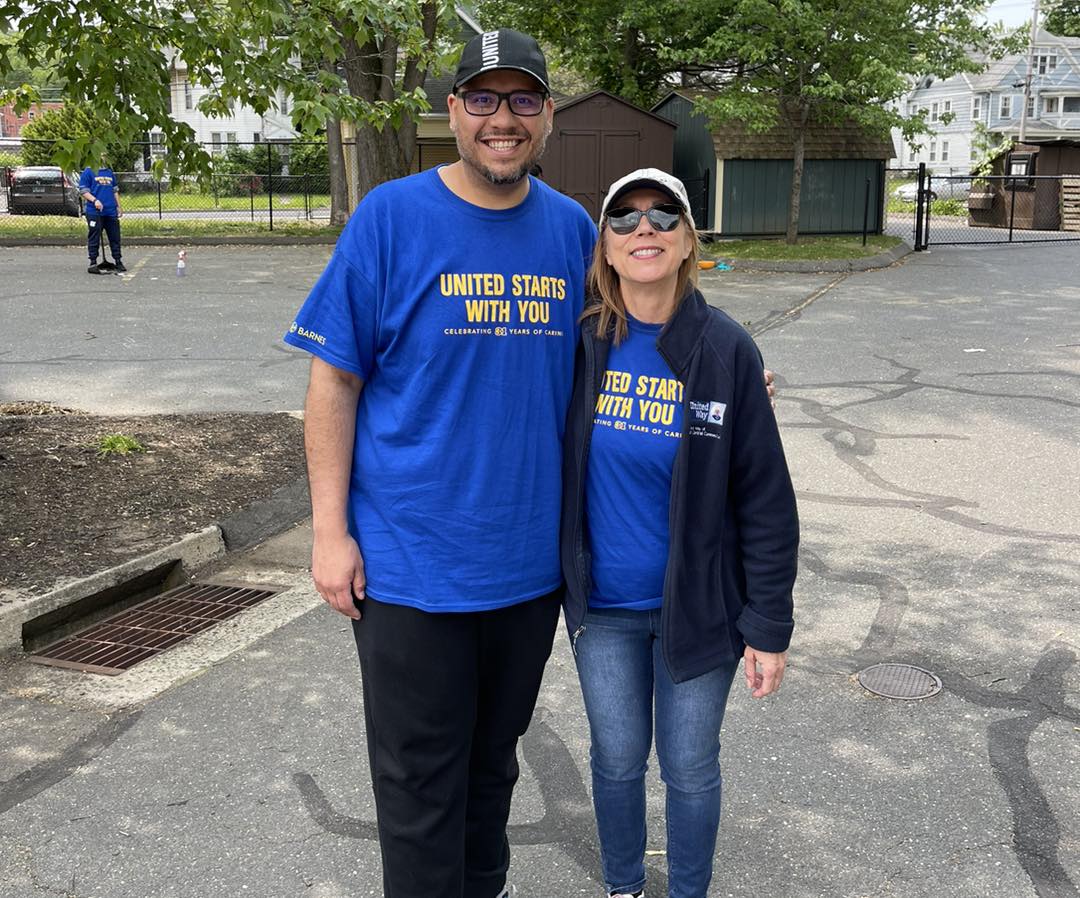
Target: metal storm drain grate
(904, 681)
(147, 629)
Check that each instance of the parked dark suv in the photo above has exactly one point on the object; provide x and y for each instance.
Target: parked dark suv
(43, 190)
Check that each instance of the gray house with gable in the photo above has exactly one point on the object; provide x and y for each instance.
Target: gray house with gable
(995, 99)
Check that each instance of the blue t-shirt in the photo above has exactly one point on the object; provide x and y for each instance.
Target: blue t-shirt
(462, 322)
(102, 185)
(637, 426)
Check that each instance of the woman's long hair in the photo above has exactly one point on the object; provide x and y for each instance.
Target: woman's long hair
(603, 297)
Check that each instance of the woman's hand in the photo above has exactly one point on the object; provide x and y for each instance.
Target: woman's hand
(764, 671)
(770, 388)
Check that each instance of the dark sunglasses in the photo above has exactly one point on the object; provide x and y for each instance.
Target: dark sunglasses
(664, 217)
(487, 102)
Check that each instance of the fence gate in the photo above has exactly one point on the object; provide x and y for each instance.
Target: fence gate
(963, 209)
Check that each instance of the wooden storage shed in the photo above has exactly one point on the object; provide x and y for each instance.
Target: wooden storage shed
(596, 139)
(743, 179)
(1036, 203)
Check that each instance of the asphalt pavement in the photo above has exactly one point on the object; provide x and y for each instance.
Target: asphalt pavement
(930, 416)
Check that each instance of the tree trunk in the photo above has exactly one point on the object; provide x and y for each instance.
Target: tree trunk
(799, 147)
(796, 115)
(379, 158)
(339, 185)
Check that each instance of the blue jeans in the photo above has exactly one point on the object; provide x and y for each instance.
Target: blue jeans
(621, 669)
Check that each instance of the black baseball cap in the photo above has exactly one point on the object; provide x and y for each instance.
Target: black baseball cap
(502, 49)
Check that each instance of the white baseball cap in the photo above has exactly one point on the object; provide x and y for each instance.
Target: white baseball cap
(648, 177)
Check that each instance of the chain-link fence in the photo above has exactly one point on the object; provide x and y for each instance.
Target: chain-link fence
(933, 207)
(262, 185)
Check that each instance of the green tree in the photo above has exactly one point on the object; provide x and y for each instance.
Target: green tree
(1063, 18)
(767, 64)
(636, 49)
(27, 71)
(831, 62)
(48, 129)
(359, 60)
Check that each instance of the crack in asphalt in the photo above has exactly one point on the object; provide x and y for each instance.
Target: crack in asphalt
(47, 774)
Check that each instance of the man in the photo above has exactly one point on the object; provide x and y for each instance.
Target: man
(102, 196)
(443, 334)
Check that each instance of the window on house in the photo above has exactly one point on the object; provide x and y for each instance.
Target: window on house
(1046, 62)
(157, 143)
(30, 115)
(934, 114)
(1070, 104)
(913, 154)
(188, 104)
(944, 151)
(910, 108)
(215, 141)
(257, 137)
(933, 151)
(1030, 107)
(1006, 107)
(230, 136)
(1050, 105)
(284, 104)
(946, 107)
(976, 109)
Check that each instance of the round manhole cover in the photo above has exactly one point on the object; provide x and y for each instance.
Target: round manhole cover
(904, 681)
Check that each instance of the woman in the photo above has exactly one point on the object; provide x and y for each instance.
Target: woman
(680, 532)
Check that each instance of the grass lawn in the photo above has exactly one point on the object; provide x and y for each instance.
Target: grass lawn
(204, 202)
(807, 249)
(56, 226)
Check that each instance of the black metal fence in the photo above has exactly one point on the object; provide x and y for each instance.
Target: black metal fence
(928, 208)
(264, 183)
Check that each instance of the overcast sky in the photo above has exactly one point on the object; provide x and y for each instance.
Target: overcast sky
(1011, 12)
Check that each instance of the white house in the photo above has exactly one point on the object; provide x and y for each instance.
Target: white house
(995, 99)
(245, 125)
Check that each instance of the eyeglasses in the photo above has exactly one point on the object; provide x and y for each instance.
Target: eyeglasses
(664, 217)
(520, 102)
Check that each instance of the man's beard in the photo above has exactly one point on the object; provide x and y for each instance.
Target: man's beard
(513, 176)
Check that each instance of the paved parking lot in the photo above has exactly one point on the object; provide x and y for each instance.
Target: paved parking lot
(931, 415)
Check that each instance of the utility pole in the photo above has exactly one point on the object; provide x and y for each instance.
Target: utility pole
(1030, 70)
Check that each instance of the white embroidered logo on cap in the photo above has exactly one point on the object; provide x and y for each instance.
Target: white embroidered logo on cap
(489, 49)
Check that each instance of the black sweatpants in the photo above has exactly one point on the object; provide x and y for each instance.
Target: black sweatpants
(446, 698)
(95, 225)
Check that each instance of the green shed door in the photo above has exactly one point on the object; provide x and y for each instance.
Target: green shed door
(833, 193)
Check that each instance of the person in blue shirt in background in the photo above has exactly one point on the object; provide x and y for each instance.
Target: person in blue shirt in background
(680, 533)
(102, 196)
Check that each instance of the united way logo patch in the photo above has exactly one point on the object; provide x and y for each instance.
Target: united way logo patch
(707, 419)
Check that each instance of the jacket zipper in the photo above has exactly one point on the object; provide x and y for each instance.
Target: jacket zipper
(579, 487)
(677, 475)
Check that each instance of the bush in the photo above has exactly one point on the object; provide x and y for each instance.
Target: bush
(310, 160)
(10, 160)
(73, 120)
(242, 170)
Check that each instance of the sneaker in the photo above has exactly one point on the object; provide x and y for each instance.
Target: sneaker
(508, 892)
(639, 894)
(94, 268)
(120, 266)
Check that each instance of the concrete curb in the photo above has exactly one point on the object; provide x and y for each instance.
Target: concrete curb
(252, 524)
(881, 260)
(191, 551)
(224, 240)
